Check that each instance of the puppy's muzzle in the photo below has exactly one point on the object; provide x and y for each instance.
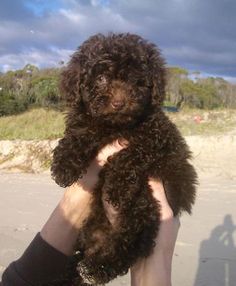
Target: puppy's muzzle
(117, 104)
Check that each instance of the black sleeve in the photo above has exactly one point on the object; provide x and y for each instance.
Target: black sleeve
(39, 263)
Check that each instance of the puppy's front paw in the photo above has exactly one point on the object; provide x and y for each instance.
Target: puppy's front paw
(85, 274)
(66, 166)
(63, 175)
(93, 273)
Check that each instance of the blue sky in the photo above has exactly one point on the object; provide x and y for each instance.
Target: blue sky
(40, 7)
(199, 35)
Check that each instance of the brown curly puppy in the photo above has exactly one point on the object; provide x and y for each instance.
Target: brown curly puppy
(114, 86)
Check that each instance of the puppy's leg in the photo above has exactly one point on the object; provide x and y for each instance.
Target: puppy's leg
(72, 157)
(132, 236)
(135, 229)
(167, 155)
(96, 240)
(179, 179)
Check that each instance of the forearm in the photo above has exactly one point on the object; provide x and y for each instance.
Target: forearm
(151, 273)
(61, 229)
(58, 232)
(155, 270)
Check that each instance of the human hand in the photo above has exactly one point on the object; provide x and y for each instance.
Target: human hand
(90, 179)
(156, 269)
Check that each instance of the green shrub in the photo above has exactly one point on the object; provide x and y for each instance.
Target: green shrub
(9, 104)
(45, 93)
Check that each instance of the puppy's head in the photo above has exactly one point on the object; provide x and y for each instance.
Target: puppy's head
(116, 78)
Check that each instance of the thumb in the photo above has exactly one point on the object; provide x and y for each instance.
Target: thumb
(109, 150)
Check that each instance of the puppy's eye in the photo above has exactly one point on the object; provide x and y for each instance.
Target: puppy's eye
(141, 82)
(102, 79)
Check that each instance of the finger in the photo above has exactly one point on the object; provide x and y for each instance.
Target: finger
(109, 150)
(160, 195)
(111, 211)
(123, 142)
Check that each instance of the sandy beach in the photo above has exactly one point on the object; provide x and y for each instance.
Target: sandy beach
(205, 253)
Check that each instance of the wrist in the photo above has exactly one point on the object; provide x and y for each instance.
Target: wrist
(75, 205)
(59, 233)
(61, 229)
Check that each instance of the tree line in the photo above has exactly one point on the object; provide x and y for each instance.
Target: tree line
(194, 91)
(34, 87)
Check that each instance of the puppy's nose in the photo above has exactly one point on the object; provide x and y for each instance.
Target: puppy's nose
(117, 104)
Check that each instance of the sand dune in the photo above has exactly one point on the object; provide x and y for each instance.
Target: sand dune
(212, 155)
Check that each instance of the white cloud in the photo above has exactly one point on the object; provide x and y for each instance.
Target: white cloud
(74, 17)
(230, 79)
(36, 57)
(196, 34)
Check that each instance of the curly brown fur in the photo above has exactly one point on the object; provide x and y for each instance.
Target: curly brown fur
(114, 86)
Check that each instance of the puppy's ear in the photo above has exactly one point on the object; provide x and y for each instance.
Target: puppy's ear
(70, 83)
(158, 75)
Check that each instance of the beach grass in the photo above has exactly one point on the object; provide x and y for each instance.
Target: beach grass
(36, 124)
(41, 123)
